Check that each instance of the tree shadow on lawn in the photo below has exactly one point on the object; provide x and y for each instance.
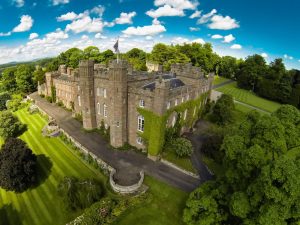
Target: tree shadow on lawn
(44, 166)
(9, 215)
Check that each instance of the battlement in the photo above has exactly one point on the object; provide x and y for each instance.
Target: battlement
(187, 70)
(86, 63)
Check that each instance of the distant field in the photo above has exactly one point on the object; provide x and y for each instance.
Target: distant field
(41, 205)
(219, 80)
(249, 98)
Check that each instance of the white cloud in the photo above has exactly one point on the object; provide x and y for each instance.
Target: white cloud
(194, 28)
(265, 55)
(165, 10)
(67, 16)
(5, 34)
(150, 30)
(149, 38)
(206, 17)
(58, 2)
(223, 23)
(19, 3)
(217, 36)
(58, 34)
(86, 24)
(33, 36)
(125, 18)
(196, 14)
(99, 10)
(26, 23)
(179, 4)
(198, 40)
(229, 38)
(299, 60)
(181, 40)
(236, 46)
(288, 57)
(100, 36)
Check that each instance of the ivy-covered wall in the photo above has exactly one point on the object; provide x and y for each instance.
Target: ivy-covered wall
(155, 125)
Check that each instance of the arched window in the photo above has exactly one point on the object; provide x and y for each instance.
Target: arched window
(104, 93)
(99, 108)
(79, 100)
(141, 123)
(105, 110)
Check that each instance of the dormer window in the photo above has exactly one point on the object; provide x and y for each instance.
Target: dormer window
(142, 103)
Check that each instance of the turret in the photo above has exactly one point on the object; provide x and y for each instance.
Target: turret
(86, 83)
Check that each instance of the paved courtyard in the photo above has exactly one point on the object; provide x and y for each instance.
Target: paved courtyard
(120, 160)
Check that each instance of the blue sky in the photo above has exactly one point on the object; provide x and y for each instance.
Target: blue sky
(31, 29)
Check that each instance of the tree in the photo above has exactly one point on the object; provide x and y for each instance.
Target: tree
(261, 175)
(92, 53)
(39, 76)
(222, 111)
(17, 166)
(137, 58)
(106, 56)
(182, 147)
(4, 97)
(10, 126)
(15, 102)
(228, 67)
(24, 78)
(79, 194)
(8, 80)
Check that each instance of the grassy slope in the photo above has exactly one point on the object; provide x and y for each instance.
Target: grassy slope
(164, 206)
(184, 163)
(219, 80)
(41, 205)
(249, 97)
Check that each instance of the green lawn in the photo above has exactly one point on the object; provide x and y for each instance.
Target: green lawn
(163, 207)
(249, 97)
(41, 205)
(219, 80)
(184, 163)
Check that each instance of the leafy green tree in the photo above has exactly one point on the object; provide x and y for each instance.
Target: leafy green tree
(39, 76)
(228, 67)
(137, 58)
(24, 78)
(261, 174)
(15, 102)
(17, 166)
(4, 97)
(8, 80)
(10, 126)
(79, 194)
(106, 56)
(250, 71)
(222, 111)
(92, 53)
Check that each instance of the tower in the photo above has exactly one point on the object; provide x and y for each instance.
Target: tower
(118, 70)
(86, 83)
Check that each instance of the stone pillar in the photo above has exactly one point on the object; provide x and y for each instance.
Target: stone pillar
(87, 96)
(118, 72)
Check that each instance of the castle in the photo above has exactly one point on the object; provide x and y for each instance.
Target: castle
(116, 96)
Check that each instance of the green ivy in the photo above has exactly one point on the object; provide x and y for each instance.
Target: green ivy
(155, 125)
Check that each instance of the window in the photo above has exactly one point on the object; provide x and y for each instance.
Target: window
(104, 93)
(79, 100)
(184, 115)
(187, 97)
(139, 140)
(142, 103)
(168, 104)
(99, 108)
(176, 102)
(173, 121)
(105, 110)
(141, 123)
(118, 123)
(182, 99)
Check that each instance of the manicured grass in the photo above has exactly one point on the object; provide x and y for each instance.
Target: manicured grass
(219, 80)
(163, 207)
(184, 163)
(249, 97)
(41, 205)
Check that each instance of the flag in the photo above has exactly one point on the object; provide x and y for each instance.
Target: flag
(116, 46)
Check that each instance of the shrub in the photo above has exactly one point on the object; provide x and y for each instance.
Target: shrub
(79, 194)
(182, 147)
(15, 103)
(17, 166)
(10, 126)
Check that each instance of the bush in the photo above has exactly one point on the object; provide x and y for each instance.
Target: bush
(4, 97)
(182, 147)
(17, 166)
(222, 111)
(15, 103)
(79, 194)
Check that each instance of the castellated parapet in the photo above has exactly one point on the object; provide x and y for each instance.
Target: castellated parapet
(111, 95)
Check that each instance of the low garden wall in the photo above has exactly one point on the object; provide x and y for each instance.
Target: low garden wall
(125, 189)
